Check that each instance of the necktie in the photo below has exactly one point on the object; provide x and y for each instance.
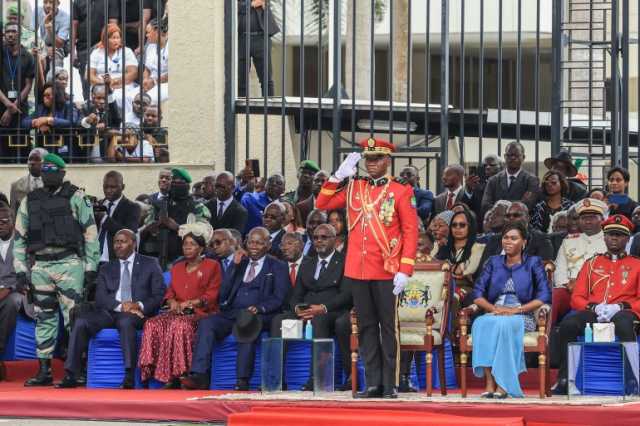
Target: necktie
(292, 274)
(450, 200)
(252, 272)
(511, 180)
(323, 267)
(225, 263)
(103, 230)
(125, 283)
(220, 208)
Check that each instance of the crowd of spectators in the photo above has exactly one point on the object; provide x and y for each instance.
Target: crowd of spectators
(121, 59)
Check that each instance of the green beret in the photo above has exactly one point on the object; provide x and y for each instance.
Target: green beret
(310, 165)
(181, 173)
(54, 159)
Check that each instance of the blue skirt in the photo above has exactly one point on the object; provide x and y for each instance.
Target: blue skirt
(498, 344)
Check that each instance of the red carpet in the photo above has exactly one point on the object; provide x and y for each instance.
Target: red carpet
(18, 401)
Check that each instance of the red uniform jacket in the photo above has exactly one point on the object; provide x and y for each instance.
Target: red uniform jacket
(603, 280)
(382, 222)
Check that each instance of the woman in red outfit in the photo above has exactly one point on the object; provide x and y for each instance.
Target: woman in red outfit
(167, 341)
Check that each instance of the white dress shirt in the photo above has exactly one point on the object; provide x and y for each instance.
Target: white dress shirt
(4, 248)
(316, 275)
(258, 268)
(515, 175)
(105, 246)
(225, 205)
(35, 182)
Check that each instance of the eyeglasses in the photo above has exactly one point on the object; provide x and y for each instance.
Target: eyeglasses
(321, 237)
(460, 225)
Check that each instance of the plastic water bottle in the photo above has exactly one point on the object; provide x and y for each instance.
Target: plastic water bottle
(308, 331)
(588, 334)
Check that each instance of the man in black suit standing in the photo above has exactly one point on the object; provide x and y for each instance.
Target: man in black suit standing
(115, 212)
(476, 183)
(424, 197)
(226, 211)
(129, 289)
(454, 192)
(321, 296)
(512, 184)
(258, 284)
(164, 185)
(273, 219)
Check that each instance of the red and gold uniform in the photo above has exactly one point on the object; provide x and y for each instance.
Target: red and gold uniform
(382, 223)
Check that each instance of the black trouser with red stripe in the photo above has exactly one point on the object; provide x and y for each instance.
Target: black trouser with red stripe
(378, 330)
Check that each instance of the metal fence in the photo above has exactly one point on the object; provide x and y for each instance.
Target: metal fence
(447, 81)
(68, 38)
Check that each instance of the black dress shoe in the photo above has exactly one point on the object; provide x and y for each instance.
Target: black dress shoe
(307, 387)
(406, 385)
(172, 384)
(195, 381)
(82, 379)
(43, 377)
(560, 388)
(370, 392)
(390, 392)
(242, 385)
(128, 382)
(346, 386)
(67, 382)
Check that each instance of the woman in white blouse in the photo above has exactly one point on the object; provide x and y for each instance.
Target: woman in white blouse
(119, 67)
(157, 48)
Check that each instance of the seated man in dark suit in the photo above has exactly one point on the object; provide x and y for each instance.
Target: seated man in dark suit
(274, 217)
(129, 289)
(514, 183)
(257, 284)
(226, 211)
(224, 247)
(321, 295)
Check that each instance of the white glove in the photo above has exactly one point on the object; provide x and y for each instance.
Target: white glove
(348, 167)
(600, 309)
(400, 281)
(610, 311)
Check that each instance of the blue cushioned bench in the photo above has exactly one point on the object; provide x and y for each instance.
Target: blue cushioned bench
(21, 344)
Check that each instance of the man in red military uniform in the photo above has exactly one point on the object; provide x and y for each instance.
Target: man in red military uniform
(381, 250)
(607, 289)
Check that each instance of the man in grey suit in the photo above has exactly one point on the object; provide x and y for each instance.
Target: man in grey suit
(26, 184)
(454, 191)
(514, 183)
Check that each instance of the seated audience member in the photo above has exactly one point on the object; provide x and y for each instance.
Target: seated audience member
(226, 211)
(454, 192)
(251, 295)
(575, 250)
(606, 290)
(316, 217)
(129, 290)
(292, 244)
(538, 243)
(424, 197)
(510, 288)
(338, 219)
(476, 183)
(255, 202)
(53, 26)
(273, 218)
(321, 295)
(121, 67)
(498, 217)
(130, 148)
(167, 341)
(33, 180)
(439, 228)
(573, 220)
(156, 135)
(512, 184)
(598, 194)
(222, 247)
(618, 200)
(463, 254)
(237, 237)
(139, 105)
(307, 205)
(554, 189)
(114, 213)
(563, 163)
(12, 300)
(156, 78)
(293, 218)
(54, 112)
(101, 118)
(306, 173)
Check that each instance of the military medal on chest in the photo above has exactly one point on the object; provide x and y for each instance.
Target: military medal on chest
(386, 210)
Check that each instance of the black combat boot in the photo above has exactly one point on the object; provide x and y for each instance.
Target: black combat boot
(44, 377)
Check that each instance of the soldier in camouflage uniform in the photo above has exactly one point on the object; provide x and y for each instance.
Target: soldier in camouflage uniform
(160, 232)
(56, 244)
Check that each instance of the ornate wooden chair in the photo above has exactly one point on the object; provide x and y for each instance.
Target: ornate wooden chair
(534, 342)
(423, 317)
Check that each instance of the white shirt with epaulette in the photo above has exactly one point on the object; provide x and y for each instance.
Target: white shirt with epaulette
(574, 251)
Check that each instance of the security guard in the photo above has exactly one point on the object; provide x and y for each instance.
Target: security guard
(383, 234)
(575, 250)
(56, 230)
(306, 172)
(607, 289)
(160, 232)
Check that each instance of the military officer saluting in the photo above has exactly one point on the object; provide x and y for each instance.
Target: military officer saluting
(55, 229)
(383, 233)
(575, 250)
(607, 289)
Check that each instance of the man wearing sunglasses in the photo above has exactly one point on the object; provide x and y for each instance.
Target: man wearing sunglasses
(54, 226)
(382, 244)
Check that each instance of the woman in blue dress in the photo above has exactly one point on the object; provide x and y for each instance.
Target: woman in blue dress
(510, 288)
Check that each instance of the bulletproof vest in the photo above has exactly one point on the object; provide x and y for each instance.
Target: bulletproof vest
(51, 222)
